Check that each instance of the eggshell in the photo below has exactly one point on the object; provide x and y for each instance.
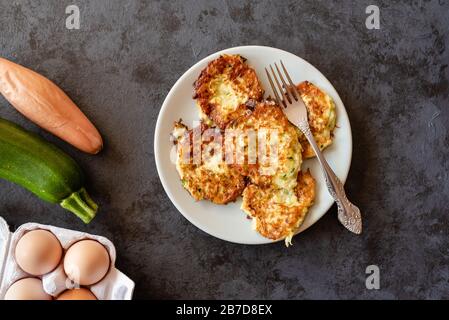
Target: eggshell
(86, 262)
(38, 252)
(77, 294)
(27, 289)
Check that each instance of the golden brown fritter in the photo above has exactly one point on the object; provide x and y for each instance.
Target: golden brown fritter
(269, 118)
(206, 176)
(322, 117)
(223, 88)
(278, 214)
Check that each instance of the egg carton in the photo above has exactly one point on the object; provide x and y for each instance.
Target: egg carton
(114, 286)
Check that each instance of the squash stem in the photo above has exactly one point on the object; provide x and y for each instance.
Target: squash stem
(81, 204)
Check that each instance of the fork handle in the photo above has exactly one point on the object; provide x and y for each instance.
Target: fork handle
(348, 214)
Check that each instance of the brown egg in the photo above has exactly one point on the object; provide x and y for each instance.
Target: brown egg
(77, 294)
(38, 252)
(86, 262)
(27, 289)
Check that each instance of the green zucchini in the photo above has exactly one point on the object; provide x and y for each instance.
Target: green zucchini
(35, 164)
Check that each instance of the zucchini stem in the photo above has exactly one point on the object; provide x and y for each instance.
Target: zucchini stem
(81, 204)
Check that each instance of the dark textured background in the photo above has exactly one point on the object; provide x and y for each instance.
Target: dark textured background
(122, 62)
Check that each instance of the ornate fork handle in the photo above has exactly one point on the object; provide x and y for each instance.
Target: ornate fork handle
(348, 214)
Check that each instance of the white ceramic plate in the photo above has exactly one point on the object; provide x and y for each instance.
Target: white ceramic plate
(229, 222)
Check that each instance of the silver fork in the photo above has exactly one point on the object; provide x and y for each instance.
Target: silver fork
(287, 95)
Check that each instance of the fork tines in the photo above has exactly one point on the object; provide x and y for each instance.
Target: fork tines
(282, 96)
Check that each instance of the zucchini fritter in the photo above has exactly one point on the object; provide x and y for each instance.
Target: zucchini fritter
(278, 213)
(322, 117)
(269, 118)
(207, 176)
(223, 88)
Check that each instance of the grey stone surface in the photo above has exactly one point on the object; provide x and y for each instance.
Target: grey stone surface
(122, 62)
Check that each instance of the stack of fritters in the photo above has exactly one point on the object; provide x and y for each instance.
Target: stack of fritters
(277, 195)
(272, 197)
